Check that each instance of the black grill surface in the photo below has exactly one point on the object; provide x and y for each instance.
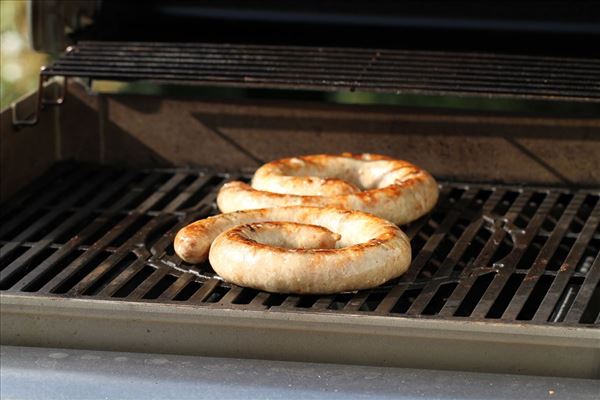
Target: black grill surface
(327, 69)
(486, 253)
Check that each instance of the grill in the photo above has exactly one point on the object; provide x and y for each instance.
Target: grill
(505, 275)
(503, 253)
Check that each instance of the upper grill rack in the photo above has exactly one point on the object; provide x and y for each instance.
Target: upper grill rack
(333, 69)
(486, 253)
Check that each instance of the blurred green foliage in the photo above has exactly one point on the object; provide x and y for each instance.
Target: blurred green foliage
(19, 64)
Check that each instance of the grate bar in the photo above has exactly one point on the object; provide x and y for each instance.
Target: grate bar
(290, 302)
(149, 283)
(259, 300)
(74, 242)
(136, 242)
(508, 263)
(435, 239)
(117, 283)
(231, 295)
(123, 251)
(37, 193)
(426, 252)
(208, 199)
(449, 263)
(159, 249)
(21, 261)
(567, 268)
(585, 293)
(205, 291)
(357, 300)
(177, 286)
(412, 229)
(322, 303)
(61, 188)
(159, 194)
(472, 272)
(101, 244)
(124, 276)
(548, 249)
(158, 259)
(182, 197)
(377, 70)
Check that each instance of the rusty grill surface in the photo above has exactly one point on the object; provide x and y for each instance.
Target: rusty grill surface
(373, 70)
(487, 252)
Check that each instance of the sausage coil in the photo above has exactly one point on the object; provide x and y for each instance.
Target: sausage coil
(298, 249)
(395, 190)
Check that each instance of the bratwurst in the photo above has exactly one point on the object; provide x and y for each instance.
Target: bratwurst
(298, 249)
(395, 190)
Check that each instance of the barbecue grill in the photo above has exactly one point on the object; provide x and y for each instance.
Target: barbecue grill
(505, 275)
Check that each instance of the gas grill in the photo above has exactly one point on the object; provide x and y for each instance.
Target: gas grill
(505, 275)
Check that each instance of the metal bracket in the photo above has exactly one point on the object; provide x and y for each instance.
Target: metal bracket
(40, 103)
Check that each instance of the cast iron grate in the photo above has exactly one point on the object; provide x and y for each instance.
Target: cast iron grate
(487, 252)
(373, 70)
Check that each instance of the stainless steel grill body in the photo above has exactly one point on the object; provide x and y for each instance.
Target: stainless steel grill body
(505, 274)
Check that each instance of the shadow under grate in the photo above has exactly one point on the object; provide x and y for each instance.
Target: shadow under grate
(487, 252)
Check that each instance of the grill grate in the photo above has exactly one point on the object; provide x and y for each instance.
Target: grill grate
(487, 253)
(375, 70)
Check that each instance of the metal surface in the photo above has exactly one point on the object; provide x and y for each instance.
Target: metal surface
(67, 374)
(487, 253)
(376, 70)
(504, 280)
(41, 102)
(238, 134)
(292, 335)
